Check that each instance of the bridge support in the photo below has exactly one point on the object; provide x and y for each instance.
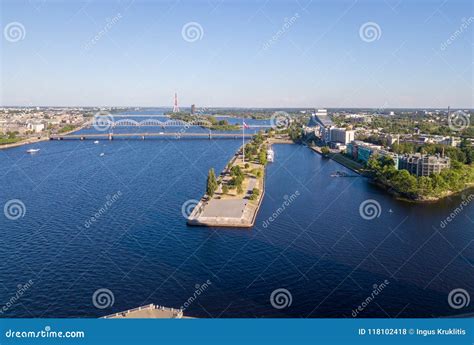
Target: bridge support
(111, 137)
(143, 137)
(210, 136)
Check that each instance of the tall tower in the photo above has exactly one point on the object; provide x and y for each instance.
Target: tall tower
(175, 107)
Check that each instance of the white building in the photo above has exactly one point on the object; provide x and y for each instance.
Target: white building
(342, 135)
(36, 127)
(322, 112)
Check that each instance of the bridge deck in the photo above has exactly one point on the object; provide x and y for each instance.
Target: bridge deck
(143, 135)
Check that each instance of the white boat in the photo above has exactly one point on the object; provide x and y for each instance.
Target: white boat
(270, 155)
(32, 150)
(96, 142)
(162, 133)
(102, 154)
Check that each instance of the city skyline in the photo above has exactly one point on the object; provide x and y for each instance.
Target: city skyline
(289, 54)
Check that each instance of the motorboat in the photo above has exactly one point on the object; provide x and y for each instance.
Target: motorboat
(32, 150)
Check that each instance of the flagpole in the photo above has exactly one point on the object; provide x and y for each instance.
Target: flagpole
(243, 142)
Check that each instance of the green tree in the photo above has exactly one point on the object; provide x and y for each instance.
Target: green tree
(211, 183)
(262, 157)
(404, 182)
(325, 151)
(424, 185)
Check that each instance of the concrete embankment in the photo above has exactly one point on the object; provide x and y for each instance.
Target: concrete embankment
(341, 159)
(150, 311)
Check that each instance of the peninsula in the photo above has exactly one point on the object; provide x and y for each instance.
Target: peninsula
(233, 199)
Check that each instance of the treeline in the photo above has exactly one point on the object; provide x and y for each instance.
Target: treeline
(218, 125)
(416, 187)
(255, 151)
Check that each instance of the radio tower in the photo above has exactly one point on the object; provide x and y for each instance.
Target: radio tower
(175, 107)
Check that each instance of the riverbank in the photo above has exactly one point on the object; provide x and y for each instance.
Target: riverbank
(228, 207)
(420, 200)
(363, 171)
(23, 142)
(37, 140)
(344, 161)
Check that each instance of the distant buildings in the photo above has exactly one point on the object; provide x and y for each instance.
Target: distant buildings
(322, 118)
(424, 165)
(36, 127)
(327, 132)
(416, 164)
(341, 135)
(362, 151)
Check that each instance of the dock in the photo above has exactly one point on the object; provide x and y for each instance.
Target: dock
(150, 311)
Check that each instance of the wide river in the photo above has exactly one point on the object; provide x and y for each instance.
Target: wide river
(310, 238)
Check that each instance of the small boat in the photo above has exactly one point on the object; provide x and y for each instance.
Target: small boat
(96, 142)
(32, 150)
(102, 154)
(339, 174)
(162, 133)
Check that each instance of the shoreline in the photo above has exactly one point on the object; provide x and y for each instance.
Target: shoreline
(37, 140)
(388, 189)
(23, 142)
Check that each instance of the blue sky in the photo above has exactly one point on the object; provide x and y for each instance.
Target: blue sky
(245, 55)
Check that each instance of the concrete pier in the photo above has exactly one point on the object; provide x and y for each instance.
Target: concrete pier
(150, 311)
(231, 210)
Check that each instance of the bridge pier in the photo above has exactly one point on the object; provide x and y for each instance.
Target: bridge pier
(111, 137)
(143, 137)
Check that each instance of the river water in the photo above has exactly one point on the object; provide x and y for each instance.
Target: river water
(310, 237)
